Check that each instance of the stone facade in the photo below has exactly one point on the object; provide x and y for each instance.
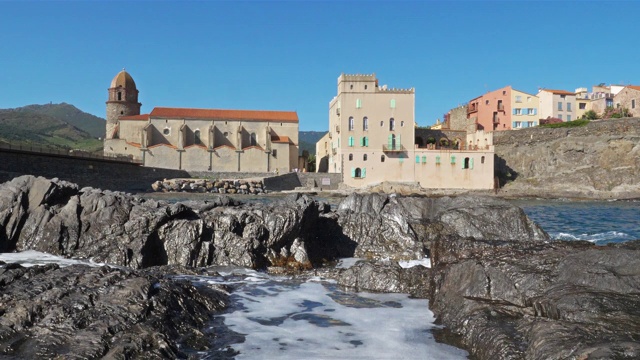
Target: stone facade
(199, 139)
(629, 98)
(372, 139)
(456, 119)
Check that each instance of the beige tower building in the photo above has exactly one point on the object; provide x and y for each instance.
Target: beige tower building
(371, 139)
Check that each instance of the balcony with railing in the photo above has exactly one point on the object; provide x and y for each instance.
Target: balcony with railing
(393, 148)
(472, 108)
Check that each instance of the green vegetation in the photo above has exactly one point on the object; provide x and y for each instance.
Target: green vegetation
(568, 124)
(590, 115)
(28, 128)
(615, 113)
(307, 140)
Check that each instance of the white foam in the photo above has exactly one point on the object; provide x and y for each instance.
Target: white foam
(426, 262)
(31, 258)
(304, 322)
(598, 237)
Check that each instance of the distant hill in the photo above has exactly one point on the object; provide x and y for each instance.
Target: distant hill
(70, 114)
(308, 139)
(29, 125)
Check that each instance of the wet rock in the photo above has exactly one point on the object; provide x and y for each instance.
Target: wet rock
(82, 312)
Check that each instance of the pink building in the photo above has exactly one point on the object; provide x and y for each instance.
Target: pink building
(503, 109)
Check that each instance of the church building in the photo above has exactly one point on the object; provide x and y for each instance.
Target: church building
(198, 139)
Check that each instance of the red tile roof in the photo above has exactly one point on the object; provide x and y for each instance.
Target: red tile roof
(634, 87)
(559, 92)
(247, 115)
(280, 139)
(135, 117)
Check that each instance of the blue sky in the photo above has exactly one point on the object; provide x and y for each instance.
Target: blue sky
(277, 55)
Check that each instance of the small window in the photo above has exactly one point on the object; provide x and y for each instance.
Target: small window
(365, 87)
(518, 98)
(166, 131)
(453, 160)
(381, 123)
(252, 139)
(559, 105)
(392, 103)
(504, 92)
(364, 157)
(350, 157)
(465, 165)
(365, 123)
(119, 96)
(568, 117)
(358, 104)
(568, 106)
(486, 102)
(196, 137)
(351, 86)
(392, 124)
(121, 112)
(226, 134)
(528, 98)
(351, 123)
(274, 152)
(402, 123)
(560, 116)
(482, 160)
(381, 158)
(437, 159)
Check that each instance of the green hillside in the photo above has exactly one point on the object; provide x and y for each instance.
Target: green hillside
(23, 126)
(73, 116)
(308, 139)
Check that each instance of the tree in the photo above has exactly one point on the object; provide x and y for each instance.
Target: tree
(590, 115)
(615, 113)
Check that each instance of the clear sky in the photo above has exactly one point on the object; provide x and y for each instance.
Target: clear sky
(277, 55)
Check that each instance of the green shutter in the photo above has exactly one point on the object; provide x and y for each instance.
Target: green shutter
(358, 103)
(471, 163)
(362, 141)
(363, 172)
(462, 163)
(437, 159)
(398, 144)
(417, 159)
(424, 159)
(390, 142)
(353, 172)
(350, 140)
(393, 103)
(366, 141)
(453, 159)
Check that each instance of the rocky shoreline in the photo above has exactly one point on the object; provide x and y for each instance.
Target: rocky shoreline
(499, 285)
(239, 186)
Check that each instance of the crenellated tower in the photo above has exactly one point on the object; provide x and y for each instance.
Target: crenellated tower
(123, 101)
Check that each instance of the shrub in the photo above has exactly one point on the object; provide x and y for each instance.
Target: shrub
(574, 123)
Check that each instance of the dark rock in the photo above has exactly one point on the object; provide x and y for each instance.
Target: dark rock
(82, 312)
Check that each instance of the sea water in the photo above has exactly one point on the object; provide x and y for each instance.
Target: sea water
(600, 222)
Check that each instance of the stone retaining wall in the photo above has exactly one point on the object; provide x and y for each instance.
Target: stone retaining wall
(253, 187)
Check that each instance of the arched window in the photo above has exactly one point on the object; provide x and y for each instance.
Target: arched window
(252, 140)
(466, 163)
(358, 173)
(392, 124)
(350, 157)
(196, 137)
(351, 125)
(381, 123)
(365, 123)
(364, 157)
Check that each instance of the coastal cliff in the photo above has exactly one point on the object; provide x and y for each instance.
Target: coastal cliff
(600, 160)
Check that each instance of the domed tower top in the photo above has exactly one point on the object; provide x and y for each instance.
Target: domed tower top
(123, 101)
(123, 79)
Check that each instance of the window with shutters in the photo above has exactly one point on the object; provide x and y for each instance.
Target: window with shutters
(358, 104)
(417, 159)
(424, 159)
(392, 103)
(351, 141)
(453, 160)
(437, 159)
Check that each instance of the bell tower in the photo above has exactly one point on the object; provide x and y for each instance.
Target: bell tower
(123, 101)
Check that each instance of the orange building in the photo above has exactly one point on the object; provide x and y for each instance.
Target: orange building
(503, 109)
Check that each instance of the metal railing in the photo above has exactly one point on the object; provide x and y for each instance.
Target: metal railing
(39, 149)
